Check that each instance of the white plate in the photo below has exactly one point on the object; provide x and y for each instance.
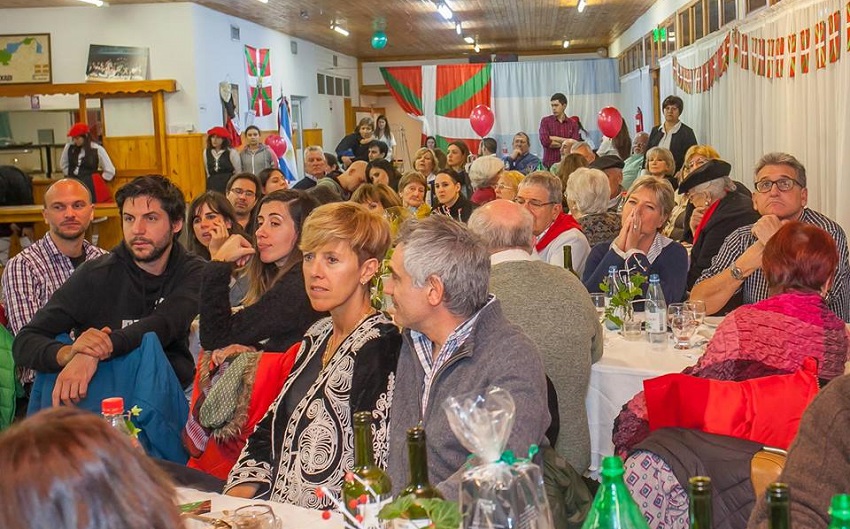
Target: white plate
(713, 321)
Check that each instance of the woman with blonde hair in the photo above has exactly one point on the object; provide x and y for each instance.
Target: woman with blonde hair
(660, 164)
(425, 163)
(677, 226)
(508, 184)
(345, 364)
(376, 197)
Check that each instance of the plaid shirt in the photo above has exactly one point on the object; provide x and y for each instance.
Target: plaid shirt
(31, 277)
(550, 126)
(755, 286)
(424, 348)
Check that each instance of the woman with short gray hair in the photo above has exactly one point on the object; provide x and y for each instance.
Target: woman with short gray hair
(483, 174)
(587, 197)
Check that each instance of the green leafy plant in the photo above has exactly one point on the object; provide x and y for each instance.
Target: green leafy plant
(621, 300)
(135, 411)
(377, 287)
(443, 514)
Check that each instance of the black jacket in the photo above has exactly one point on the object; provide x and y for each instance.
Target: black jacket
(679, 143)
(351, 146)
(460, 210)
(112, 291)
(733, 211)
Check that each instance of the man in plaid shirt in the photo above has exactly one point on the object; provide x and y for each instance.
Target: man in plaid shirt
(735, 276)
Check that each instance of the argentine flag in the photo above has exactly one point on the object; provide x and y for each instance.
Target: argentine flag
(288, 165)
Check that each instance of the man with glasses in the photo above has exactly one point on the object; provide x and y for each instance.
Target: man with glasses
(243, 190)
(540, 193)
(735, 276)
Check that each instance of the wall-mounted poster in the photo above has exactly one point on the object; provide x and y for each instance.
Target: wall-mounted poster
(25, 59)
(117, 63)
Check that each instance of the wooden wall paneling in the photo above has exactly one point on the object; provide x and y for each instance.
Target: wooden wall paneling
(186, 163)
(312, 137)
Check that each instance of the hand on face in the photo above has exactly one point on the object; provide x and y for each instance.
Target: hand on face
(236, 249)
(218, 235)
(630, 233)
(765, 227)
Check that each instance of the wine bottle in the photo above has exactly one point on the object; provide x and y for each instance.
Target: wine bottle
(700, 504)
(367, 488)
(613, 506)
(568, 259)
(419, 485)
(779, 516)
(839, 512)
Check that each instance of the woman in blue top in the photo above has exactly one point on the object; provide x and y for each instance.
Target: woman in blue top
(640, 247)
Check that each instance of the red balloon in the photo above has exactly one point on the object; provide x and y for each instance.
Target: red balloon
(482, 119)
(610, 121)
(276, 144)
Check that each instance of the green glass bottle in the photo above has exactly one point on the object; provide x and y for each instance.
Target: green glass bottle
(367, 488)
(568, 259)
(613, 506)
(700, 504)
(779, 516)
(839, 512)
(419, 485)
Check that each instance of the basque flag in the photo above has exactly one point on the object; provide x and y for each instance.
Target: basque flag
(287, 164)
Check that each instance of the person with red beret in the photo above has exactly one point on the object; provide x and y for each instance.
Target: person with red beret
(81, 158)
(221, 161)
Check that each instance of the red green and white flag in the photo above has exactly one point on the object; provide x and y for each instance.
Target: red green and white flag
(259, 80)
(820, 44)
(834, 37)
(805, 44)
(442, 97)
(792, 55)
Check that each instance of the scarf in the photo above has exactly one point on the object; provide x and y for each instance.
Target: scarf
(563, 223)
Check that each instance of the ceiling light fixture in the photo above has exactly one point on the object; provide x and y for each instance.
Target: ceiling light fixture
(477, 48)
(444, 10)
(458, 29)
(566, 44)
(98, 3)
(339, 29)
(581, 5)
(469, 40)
(263, 1)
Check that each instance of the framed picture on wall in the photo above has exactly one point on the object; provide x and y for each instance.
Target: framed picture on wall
(117, 63)
(25, 59)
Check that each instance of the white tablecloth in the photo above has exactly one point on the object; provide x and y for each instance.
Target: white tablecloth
(293, 517)
(616, 378)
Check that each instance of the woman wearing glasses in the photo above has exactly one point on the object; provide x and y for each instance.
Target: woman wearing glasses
(677, 224)
(508, 184)
(640, 247)
(721, 211)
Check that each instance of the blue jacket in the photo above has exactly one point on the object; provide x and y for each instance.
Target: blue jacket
(143, 378)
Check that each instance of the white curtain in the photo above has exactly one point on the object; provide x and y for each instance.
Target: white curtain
(636, 92)
(744, 116)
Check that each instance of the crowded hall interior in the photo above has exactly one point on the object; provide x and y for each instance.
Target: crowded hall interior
(472, 264)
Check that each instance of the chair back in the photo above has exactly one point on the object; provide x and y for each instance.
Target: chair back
(765, 468)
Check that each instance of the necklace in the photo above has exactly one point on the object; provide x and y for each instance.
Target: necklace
(334, 342)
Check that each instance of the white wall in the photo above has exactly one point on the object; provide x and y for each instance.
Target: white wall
(160, 27)
(656, 14)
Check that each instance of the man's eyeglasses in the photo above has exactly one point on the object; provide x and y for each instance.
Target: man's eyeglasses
(533, 202)
(238, 191)
(783, 184)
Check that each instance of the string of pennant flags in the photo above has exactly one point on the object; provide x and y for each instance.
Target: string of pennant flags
(773, 58)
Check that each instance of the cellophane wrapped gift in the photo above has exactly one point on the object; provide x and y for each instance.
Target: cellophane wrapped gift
(498, 491)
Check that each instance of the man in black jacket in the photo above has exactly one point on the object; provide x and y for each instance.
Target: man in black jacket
(148, 283)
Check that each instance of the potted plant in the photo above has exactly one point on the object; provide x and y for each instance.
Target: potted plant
(620, 307)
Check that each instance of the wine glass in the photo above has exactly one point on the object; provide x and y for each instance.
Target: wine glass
(258, 516)
(698, 308)
(598, 299)
(683, 323)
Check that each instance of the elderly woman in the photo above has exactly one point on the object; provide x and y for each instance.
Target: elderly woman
(447, 187)
(377, 197)
(66, 468)
(711, 191)
(508, 184)
(640, 246)
(660, 164)
(673, 134)
(412, 188)
(773, 336)
(677, 226)
(484, 174)
(345, 364)
(425, 163)
(587, 197)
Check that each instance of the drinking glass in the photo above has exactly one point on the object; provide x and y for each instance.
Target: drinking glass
(698, 308)
(256, 516)
(598, 299)
(683, 323)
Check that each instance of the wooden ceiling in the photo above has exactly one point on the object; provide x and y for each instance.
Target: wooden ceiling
(415, 29)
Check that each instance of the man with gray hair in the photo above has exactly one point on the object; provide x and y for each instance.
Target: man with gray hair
(554, 309)
(735, 276)
(456, 341)
(540, 193)
(315, 167)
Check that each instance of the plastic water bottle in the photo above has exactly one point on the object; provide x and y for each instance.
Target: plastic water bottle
(611, 282)
(656, 311)
(112, 410)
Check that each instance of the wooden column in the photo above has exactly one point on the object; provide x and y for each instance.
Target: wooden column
(83, 109)
(158, 103)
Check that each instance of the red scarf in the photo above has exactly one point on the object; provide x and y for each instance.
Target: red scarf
(563, 223)
(705, 218)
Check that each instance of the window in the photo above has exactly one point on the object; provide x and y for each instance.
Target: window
(685, 31)
(320, 81)
(330, 85)
(699, 23)
(338, 86)
(649, 51)
(713, 16)
(346, 87)
(752, 5)
(729, 11)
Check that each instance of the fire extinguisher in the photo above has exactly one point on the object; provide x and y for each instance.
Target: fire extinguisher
(639, 121)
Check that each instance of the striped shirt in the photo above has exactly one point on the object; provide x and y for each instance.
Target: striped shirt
(31, 277)
(755, 286)
(424, 348)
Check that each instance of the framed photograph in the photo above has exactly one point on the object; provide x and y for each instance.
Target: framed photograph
(25, 59)
(117, 63)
